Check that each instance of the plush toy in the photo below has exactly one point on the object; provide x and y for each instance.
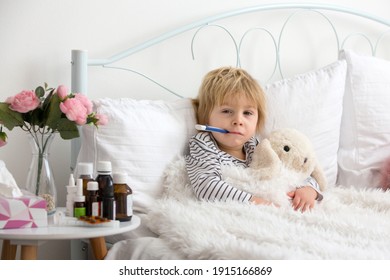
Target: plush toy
(281, 162)
(287, 149)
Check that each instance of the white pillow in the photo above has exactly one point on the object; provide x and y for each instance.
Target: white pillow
(365, 129)
(312, 103)
(141, 138)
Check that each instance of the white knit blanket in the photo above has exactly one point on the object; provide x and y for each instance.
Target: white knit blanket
(348, 224)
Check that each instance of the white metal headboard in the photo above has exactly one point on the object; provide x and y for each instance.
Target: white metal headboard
(81, 61)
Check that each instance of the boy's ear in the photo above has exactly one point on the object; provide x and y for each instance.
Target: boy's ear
(195, 105)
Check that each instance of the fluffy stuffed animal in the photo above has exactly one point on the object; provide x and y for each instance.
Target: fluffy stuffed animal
(291, 149)
(281, 162)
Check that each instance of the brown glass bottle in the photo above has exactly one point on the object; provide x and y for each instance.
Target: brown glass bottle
(106, 189)
(85, 170)
(92, 199)
(123, 197)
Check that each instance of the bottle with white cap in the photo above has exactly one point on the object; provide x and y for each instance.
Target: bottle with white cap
(92, 199)
(106, 189)
(85, 170)
(79, 208)
(70, 194)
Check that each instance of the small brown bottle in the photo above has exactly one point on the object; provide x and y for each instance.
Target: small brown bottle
(106, 189)
(85, 170)
(123, 197)
(92, 199)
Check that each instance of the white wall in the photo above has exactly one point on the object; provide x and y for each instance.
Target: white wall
(36, 38)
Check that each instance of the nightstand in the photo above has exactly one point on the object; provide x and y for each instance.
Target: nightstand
(30, 238)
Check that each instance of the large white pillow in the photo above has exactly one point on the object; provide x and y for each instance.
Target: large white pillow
(312, 103)
(141, 138)
(365, 129)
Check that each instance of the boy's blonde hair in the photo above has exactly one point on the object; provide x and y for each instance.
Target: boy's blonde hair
(226, 82)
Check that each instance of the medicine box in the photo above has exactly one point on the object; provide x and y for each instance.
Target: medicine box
(27, 211)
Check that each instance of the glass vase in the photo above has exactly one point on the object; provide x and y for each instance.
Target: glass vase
(40, 180)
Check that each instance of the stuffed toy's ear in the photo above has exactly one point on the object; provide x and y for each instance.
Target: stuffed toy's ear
(319, 176)
(265, 161)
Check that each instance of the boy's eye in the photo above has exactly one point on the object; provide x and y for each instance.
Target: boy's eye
(226, 111)
(249, 113)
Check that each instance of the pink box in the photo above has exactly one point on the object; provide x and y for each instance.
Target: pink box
(22, 212)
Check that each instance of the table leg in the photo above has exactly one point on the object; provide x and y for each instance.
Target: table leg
(28, 252)
(8, 251)
(99, 247)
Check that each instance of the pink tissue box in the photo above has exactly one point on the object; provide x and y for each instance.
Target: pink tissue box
(22, 212)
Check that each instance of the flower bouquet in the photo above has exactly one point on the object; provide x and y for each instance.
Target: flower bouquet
(42, 113)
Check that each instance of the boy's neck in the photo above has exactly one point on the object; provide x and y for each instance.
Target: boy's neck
(237, 153)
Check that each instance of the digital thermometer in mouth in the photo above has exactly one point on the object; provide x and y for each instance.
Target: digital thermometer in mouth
(210, 128)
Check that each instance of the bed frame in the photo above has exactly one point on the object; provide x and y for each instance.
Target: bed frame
(81, 61)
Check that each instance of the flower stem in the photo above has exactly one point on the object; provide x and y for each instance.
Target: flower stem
(41, 143)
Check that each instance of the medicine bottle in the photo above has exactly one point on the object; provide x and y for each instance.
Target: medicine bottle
(71, 190)
(123, 197)
(79, 208)
(92, 199)
(106, 189)
(85, 170)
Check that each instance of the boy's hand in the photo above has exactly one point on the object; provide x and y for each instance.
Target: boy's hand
(303, 198)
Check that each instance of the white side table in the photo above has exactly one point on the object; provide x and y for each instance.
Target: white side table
(31, 238)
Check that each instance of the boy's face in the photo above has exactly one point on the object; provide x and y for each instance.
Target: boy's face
(238, 115)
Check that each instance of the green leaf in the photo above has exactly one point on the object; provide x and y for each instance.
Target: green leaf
(40, 92)
(35, 117)
(67, 129)
(53, 112)
(10, 118)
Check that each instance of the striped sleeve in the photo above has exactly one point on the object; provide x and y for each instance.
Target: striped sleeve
(204, 170)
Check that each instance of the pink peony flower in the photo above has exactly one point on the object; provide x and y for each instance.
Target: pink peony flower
(62, 92)
(101, 119)
(3, 139)
(23, 102)
(85, 101)
(74, 110)
(28, 112)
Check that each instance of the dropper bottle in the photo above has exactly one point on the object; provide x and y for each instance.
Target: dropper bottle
(71, 193)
